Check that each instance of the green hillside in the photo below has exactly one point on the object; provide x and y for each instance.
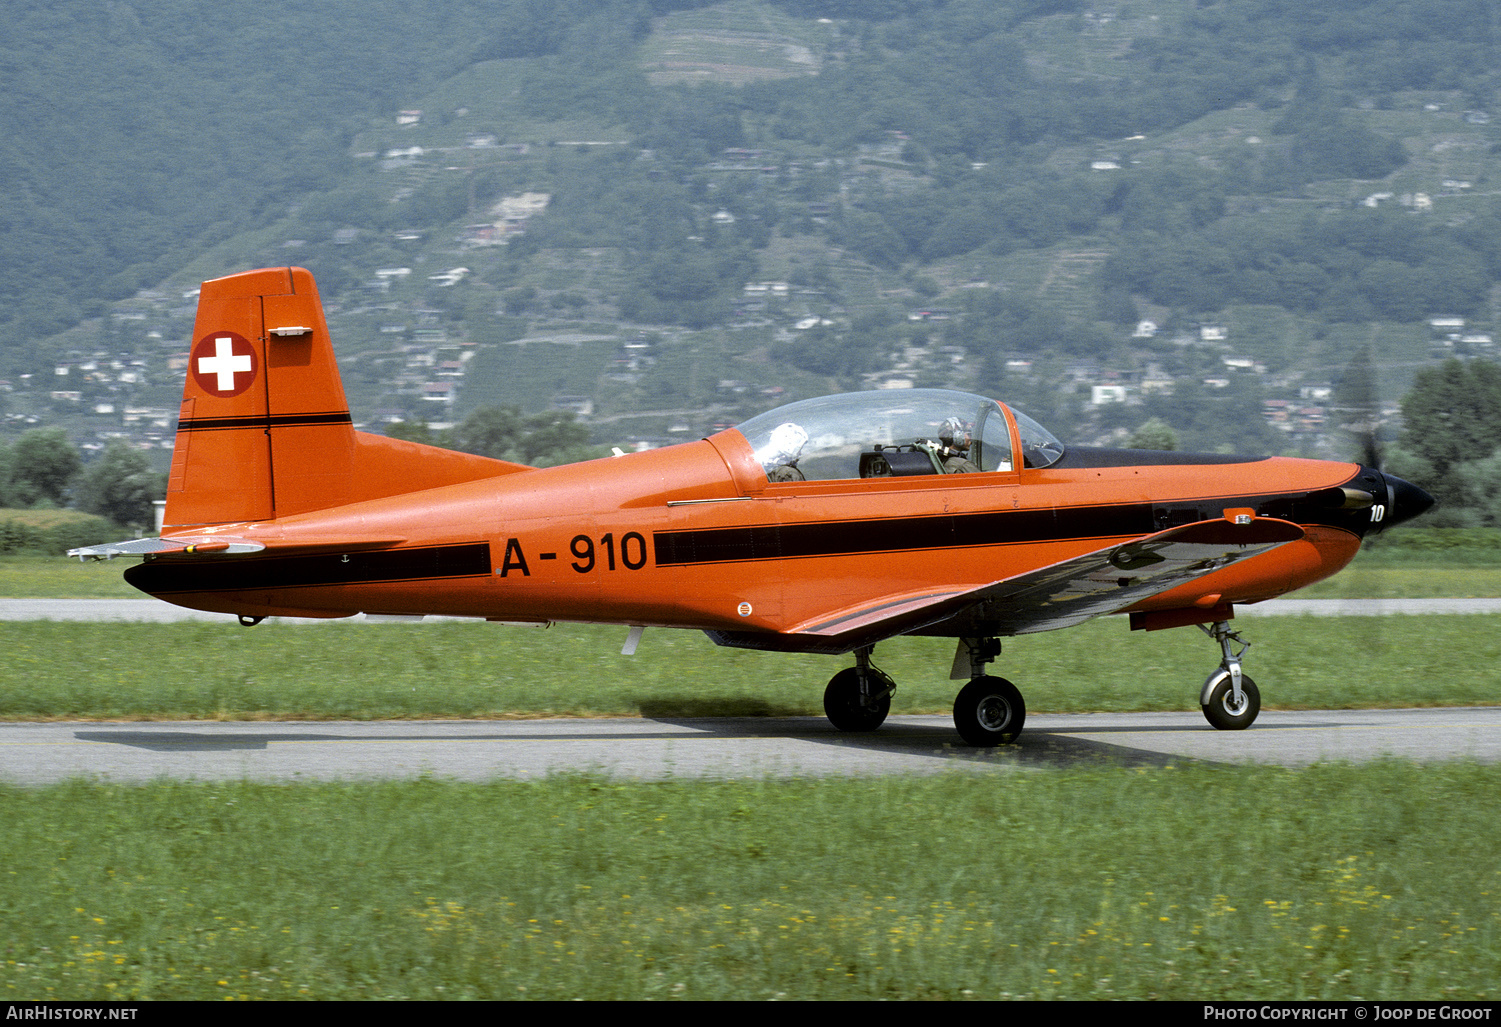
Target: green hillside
(736, 203)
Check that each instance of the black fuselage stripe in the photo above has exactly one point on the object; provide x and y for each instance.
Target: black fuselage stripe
(233, 574)
(846, 538)
(262, 422)
(956, 531)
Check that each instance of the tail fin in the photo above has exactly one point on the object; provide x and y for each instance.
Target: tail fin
(264, 429)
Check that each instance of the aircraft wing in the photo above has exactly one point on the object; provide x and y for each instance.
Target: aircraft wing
(1110, 580)
(1105, 581)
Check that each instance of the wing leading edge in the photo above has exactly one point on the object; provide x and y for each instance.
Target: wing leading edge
(1105, 581)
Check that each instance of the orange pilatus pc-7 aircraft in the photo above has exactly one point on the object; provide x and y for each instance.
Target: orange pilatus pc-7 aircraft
(824, 526)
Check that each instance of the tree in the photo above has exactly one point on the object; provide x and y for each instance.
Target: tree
(1453, 425)
(520, 300)
(1154, 434)
(553, 437)
(122, 486)
(1453, 413)
(874, 239)
(43, 463)
(412, 431)
(1482, 481)
(489, 431)
(543, 440)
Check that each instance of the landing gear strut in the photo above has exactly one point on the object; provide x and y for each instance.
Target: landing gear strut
(859, 698)
(1230, 699)
(989, 710)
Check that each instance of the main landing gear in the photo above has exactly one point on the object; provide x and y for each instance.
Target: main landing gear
(859, 698)
(989, 710)
(1229, 699)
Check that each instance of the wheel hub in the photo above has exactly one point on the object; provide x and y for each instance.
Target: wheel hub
(994, 713)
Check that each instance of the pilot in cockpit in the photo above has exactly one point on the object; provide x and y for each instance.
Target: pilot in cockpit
(780, 454)
(954, 447)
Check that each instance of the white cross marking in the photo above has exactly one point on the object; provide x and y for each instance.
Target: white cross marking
(224, 363)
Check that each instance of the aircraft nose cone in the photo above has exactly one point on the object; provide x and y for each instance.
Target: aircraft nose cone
(1404, 501)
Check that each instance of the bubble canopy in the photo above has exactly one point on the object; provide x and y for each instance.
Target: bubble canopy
(894, 432)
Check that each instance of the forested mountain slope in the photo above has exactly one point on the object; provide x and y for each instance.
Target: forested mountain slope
(133, 135)
(1015, 182)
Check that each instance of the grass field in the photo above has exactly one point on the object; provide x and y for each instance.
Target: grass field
(364, 671)
(54, 577)
(1247, 883)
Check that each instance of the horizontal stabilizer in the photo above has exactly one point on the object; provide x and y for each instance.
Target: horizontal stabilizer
(207, 545)
(226, 545)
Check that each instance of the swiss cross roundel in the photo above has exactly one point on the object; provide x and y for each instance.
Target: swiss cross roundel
(224, 364)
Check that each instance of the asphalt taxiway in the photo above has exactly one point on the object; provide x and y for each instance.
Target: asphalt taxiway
(648, 749)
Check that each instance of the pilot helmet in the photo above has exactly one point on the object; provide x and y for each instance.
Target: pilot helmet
(954, 433)
(784, 446)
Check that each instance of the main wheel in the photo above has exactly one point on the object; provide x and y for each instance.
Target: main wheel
(1224, 712)
(989, 711)
(842, 705)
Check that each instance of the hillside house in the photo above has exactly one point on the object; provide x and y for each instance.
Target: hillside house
(439, 392)
(1156, 380)
(511, 213)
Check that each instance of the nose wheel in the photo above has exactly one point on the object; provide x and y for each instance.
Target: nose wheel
(1230, 699)
(1224, 710)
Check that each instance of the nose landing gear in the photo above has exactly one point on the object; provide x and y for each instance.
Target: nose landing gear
(1230, 699)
